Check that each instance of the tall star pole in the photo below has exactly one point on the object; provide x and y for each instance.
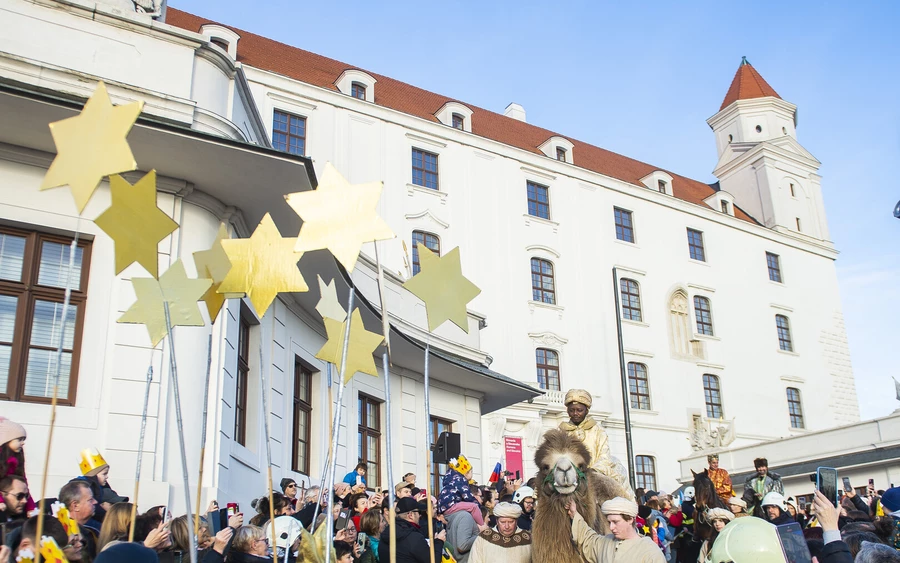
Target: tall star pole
(264, 384)
(140, 455)
(430, 442)
(385, 368)
(203, 430)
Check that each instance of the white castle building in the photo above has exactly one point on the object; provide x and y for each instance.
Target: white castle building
(731, 320)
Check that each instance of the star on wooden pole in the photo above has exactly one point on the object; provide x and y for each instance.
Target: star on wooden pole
(135, 223)
(174, 287)
(359, 352)
(263, 266)
(443, 288)
(92, 145)
(339, 216)
(329, 306)
(213, 264)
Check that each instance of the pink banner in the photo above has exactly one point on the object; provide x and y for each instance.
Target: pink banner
(513, 447)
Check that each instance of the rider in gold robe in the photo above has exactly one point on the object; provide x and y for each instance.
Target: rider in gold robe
(720, 478)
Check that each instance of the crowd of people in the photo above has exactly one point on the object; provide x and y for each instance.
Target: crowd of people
(88, 521)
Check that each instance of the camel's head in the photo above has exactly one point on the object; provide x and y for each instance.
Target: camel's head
(563, 462)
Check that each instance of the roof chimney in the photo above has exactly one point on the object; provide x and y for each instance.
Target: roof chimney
(515, 111)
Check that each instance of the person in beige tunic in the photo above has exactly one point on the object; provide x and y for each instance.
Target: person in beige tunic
(578, 404)
(623, 545)
(506, 542)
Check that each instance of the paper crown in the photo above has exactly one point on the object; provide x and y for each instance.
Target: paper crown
(51, 552)
(91, 462)
(461, 464)
(61, 513)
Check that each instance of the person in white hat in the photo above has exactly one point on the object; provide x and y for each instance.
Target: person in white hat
(718, 518)
(776, 509)
(738, 507)
(506, 541)
(624, 544)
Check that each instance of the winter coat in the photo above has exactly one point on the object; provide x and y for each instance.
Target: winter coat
(462, 531)
(835, 552)
(350, 478)
(783, 518)
(772, 483)
(454, 489)
(412, 545)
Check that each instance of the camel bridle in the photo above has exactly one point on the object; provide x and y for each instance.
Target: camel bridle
(582, 478)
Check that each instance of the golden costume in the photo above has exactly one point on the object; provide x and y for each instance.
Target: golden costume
(720, 478)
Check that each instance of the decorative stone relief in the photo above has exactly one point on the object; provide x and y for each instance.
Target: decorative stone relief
(496, 429)
(709, 433)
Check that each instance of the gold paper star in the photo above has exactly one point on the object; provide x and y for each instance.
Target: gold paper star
(443, 288)
(329, 306)
(92, 145)
(359, 351)
(214, 265)
(174, 287)
(263, 266)
(339, 216)
(135, 223)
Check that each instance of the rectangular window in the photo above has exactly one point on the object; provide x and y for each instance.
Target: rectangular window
(358, 91)
(661, 186)
(289, 133)
(631, 300)
(438, 470)
(703, 315)
(242, 379)
(645, 472)
(725, 207)
(547, 362)
(302, 416)
(561, 154)
(712, 395)
(695, 245)
(784, 333)
(369, 412)
(34, 271)
(798, 225)
(774, 263)
(459, 122)
(792, 191)
(794, 407)
(542, 285)
(638, 386)
(431, 242)
(624, 226)
(538, 200)
(425, 169)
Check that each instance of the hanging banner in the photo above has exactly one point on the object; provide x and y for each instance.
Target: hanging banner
(512, 445)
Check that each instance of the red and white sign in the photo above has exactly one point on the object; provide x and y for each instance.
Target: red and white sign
(512, 445)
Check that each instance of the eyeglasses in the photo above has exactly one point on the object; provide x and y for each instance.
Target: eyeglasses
(264, 540)
(292, 486)
(17, 496)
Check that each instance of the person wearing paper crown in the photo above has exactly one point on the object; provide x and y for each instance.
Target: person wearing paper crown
(578, 404)
(455, 493)
(95, 470)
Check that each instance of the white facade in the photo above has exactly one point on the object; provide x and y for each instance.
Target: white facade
(198, 132)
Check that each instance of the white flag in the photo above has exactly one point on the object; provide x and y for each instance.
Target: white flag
(897, 387)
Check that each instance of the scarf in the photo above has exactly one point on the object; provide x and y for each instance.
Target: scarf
(579, 429)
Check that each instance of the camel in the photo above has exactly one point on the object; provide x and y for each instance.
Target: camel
(564, 473)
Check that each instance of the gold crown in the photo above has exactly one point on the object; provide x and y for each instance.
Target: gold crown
(461, 464)
(91, 462)
(62, 514)
(25, 556)
(50, 551)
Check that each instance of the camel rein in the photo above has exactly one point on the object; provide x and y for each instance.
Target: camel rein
(582, 478)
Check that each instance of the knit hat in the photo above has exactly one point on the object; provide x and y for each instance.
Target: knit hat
(890, 500)
(578, 396)
(285, 482)
(738, 501)
(10, 430)
(131, 552)
(461, 464)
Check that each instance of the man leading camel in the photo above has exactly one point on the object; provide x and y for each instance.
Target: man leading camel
(578, 403)
(624, 544)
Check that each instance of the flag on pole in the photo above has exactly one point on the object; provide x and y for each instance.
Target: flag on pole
(495, 475)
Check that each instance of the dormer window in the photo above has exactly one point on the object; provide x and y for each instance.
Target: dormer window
(561, 154)
(721, 201)
(725, 207)
(459, 122)
(559, 148)
(658, 181)
(456, 115)
(222, 37)
(661, 186)
(357, 84)
(220, 43)
(358, 90)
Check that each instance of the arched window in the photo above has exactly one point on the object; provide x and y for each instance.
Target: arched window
(543, 288)
(712, 394)
(794, 407)
(631, 300)
(358, 90)
(431, 242)
(645, 472)
(679, 324)
(784, 333)
(547, 363)
(703, 314)
(638, 386)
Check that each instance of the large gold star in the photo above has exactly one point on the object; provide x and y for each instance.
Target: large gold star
(359, 351)
(174, 287)
(135, 223)
(329, 306)
(339, 216)
(92, 145)
(213, 264)
(443, 288)
(263, 266)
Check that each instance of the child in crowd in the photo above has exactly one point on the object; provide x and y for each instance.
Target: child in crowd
(357, 478)
(95, 470)
(455, 493)
(12, 454)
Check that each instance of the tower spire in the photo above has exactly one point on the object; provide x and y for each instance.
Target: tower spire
(747, 84)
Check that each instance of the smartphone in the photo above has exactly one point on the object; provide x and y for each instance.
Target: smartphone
(359, 480)
(165, 514)
(872, 484)
(826, 483)
(518, 475)
(232, 508)
(361, 539)
(793, 543)
(343, 518)
(847, 487)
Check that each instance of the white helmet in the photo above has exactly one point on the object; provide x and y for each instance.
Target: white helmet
(774, 499)
(523, 493)
(746, 540)
(688, 494)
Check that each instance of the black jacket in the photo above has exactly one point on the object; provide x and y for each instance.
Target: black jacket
(412, 545)
(835, 552)
(783, 518)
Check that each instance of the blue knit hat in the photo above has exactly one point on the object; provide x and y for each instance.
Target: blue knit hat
(127, 553)
(890, 500)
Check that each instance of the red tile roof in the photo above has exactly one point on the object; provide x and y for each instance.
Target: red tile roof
(267, 54)
(747, 84)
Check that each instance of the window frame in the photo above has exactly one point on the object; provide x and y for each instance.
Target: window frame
(638, 399)
(242, 376)
(357, 88)
(549, 369)
(537, 190)
(703, 315)
(795, 408)
(630, 300)
(785, 341)
(438, 470)
(423, 169)
(302, 406)
(458, 121)
(696, 248)
(624, 221)
(287, 133)
(27, 291)
(416, 265)
(724, 205)
(708, 397)
(538, 292)
(364, 402)
(645, 472)
(773, 263)
(661, 186)
(561, 153)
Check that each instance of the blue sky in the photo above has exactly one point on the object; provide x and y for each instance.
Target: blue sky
(641, 80)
